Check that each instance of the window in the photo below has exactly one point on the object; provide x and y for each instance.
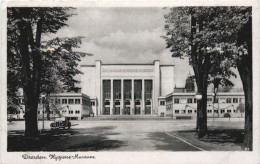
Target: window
(117, 103)
(183, 111)
(195, 111)
(77, 111)
(189, 100)
(77, 101)
(127, 103)
(70, 111)
(222, 111)
(228, 100)
(209, 100)
(176, 101)
(189, 111)
(176, 111)
(64, 111)
(71, 101)
(209, 111)
(137, 103)
(107, 103)
(93, 103)
(148, 102)
(228, 111)
(235, 111)
(39, 112)
(235, 100)
(64, 101)
(57, 101)
(216, 100)
(162, 103)
(215, 111)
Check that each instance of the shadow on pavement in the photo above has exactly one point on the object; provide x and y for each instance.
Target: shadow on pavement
(89, 139)
(168, 143)
(217, 139)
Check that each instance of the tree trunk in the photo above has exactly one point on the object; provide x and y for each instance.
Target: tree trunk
(47, 106)
(202, 109)
(245, 71)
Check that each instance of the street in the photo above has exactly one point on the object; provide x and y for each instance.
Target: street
(118, 135)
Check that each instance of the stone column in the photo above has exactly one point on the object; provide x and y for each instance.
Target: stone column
(132, 97)
(122, 97)
(111, 98)
(156, 84)
(98, 85)
(143, 99)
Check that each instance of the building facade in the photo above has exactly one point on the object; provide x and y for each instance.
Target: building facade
(75, 106)
(127, 89)
(185, 104)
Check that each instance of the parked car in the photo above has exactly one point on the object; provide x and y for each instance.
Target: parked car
(61, 123)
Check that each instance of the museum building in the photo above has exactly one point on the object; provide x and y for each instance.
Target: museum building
(126, 89)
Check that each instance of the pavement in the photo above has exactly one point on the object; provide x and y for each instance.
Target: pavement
(135, 135)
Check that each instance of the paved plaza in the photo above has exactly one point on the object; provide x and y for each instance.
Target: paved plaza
(135, 135)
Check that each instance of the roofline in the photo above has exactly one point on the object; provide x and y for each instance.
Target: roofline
(209, 93)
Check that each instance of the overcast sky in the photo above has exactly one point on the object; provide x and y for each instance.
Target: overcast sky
(124, 35)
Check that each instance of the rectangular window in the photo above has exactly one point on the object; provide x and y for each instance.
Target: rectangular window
(93, 103)
(209, 111)
(235, 100)
(107, 103)
(127, 103)
(162, 103)
(127, 89)
(228, 100)
(117, 103)
(222, 111)
(228, 111)
(189, 100)
(137, 103)
(70, 111)
(183, 111)
(176, 111)
(64, 111)
(57, 101)
(195, 100)
(176, 101)
(195, 111)
(64, 101)
(71, 101)
(215, 111)
(189, 111)
(148, 102)
(209, 100)
(77, 101)
(235, 111)
(39, 112)
(77, 111)
(216, 100)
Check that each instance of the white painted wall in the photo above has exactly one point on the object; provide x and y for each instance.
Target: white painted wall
(167, 79)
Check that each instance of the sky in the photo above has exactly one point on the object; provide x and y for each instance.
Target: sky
(123, 35)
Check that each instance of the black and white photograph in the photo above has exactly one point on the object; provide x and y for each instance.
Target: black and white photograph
(129, 79)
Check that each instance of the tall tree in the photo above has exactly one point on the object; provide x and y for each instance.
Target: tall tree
(25, 28)
(209, 34)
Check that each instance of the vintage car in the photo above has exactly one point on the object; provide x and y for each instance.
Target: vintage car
(61, 123)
